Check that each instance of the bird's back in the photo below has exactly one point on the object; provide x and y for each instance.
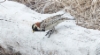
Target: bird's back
(52, 21)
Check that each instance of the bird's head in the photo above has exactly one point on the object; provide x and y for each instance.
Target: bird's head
(36, 27)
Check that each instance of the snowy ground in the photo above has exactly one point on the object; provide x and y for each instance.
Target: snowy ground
(69, 40)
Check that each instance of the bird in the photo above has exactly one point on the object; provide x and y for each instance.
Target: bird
(49, 24)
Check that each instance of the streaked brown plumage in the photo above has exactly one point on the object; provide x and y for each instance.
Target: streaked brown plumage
(48, 24)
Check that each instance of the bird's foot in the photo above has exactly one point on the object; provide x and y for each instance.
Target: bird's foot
(49, 33)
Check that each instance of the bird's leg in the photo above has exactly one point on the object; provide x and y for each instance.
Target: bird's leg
(50, 32)
(47, 32)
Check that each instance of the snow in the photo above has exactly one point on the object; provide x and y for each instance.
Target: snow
(70, 38)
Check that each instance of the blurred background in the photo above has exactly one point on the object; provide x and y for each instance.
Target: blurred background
(86, 12)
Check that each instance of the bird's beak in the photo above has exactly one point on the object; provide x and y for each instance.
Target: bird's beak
(32, 31)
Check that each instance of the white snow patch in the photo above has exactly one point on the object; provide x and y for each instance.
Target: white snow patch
(69, 40)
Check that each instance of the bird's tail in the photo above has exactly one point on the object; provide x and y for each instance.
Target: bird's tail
(64, 16)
